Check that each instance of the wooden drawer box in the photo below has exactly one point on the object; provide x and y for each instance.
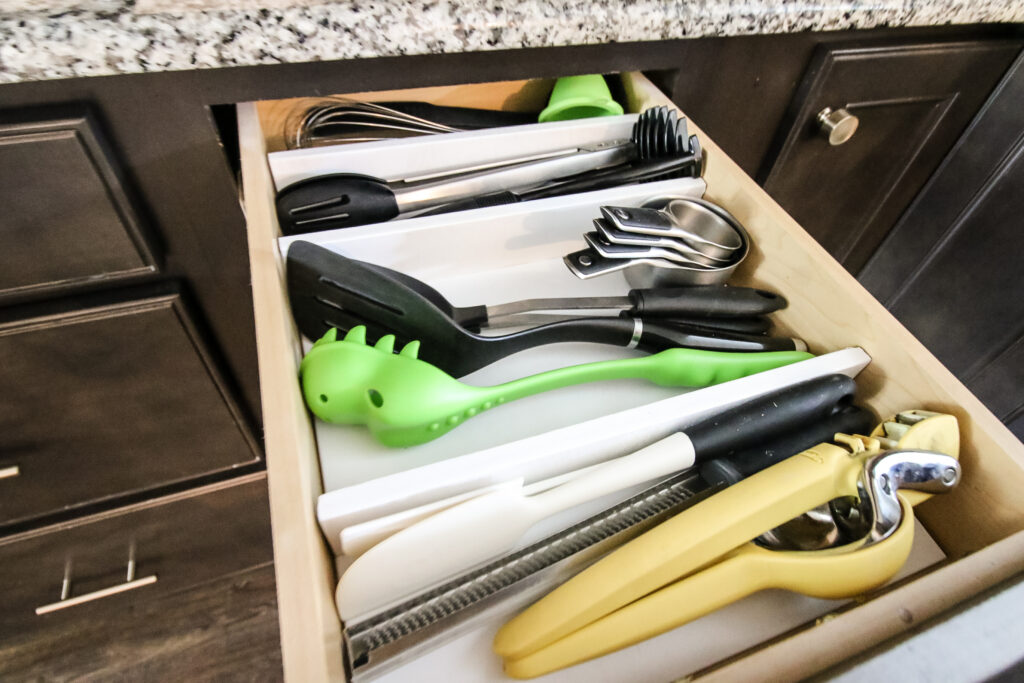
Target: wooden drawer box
(175, 542)
(979, 526)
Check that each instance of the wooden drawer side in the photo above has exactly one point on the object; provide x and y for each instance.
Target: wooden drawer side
(310, 630)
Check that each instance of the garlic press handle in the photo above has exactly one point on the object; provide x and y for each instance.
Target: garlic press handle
(682, 545)
(831, 574)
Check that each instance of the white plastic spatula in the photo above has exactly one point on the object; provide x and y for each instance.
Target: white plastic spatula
(358, 538)
(461, 537)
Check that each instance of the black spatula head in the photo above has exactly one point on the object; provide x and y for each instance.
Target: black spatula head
(340, 200)
(329, 290)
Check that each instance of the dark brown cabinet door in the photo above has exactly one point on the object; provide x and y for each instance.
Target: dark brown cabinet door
(951, 268)
(107, 399)
(66, 215)
(912, 103)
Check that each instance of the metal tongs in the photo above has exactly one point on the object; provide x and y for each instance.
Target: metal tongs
(706, 557)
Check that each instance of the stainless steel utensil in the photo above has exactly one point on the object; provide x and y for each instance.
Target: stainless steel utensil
(656, 268)
(613, 235)
(342, 200)
(626, 251)
(843, 521)
(692, 222)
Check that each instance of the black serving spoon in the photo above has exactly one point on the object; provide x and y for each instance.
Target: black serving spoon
(329, 290)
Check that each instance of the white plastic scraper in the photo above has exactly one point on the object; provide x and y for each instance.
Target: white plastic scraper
(461, 537)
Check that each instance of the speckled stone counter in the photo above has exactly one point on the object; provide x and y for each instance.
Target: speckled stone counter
(47, 39)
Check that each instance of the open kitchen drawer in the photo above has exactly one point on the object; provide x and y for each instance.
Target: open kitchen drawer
(979, 526)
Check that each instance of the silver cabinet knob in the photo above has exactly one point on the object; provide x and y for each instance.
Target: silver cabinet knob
(838, 126)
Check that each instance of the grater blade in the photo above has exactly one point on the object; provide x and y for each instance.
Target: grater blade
(503, 586)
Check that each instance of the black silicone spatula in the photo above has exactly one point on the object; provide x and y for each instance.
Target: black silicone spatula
(329, 290)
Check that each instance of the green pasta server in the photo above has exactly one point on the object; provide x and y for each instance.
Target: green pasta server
(405, 401)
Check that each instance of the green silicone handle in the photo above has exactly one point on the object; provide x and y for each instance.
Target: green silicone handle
(669, 368)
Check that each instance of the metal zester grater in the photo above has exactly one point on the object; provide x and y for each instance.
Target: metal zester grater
(504, 586)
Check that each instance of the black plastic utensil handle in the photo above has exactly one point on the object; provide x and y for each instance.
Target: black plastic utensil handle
(731, 469)
(757, 325)
(712, 301)
(605, 330)
(759, 420)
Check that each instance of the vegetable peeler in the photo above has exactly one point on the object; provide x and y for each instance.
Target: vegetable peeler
(704, 558)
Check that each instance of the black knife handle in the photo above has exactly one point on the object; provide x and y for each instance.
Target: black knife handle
(711, 301)
(741, 464)
(759, 420)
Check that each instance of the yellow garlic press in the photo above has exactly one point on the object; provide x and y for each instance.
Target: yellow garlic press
(702, 559)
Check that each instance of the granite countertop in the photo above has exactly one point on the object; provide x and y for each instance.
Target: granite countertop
(48, 39)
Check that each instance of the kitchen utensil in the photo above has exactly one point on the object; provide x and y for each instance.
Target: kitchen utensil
(656, 267)
(327, 290)
(674, 303)
(580, 97)
(334, 120)
(844, 520)
(635, 592)
(405, 401)
(552, 453)
(692, 222)
(609, 234)
(344, 199)
(756, 325)
(358, 538)
(589, 181)
(721, 308)
(506, 585)
(492, 525)
(675, 253)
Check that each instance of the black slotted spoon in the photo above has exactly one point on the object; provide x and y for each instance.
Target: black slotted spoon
(329, 290)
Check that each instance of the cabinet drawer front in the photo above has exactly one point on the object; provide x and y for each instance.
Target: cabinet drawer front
(106, 400)
(67, 216)
(828, 309)
(173, 543)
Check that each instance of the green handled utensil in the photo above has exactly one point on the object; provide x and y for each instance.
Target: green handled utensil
(405, 401)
